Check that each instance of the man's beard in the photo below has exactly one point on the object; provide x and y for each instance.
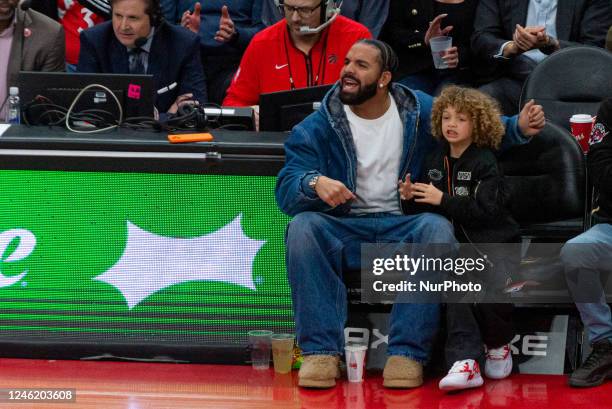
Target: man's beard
(365, 93)
(9, 16)
(11, 10)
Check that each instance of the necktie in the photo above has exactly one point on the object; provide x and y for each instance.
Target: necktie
(137, 61)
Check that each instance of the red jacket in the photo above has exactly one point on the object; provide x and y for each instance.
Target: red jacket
(265, 68)
(75, 18)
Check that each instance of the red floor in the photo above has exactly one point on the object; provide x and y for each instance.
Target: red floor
(137, 386)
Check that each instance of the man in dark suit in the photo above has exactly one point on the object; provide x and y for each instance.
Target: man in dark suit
(138, 41)
(513, 36)
(29, 41)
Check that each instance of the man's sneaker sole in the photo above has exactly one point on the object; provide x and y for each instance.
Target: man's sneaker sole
(450, 388)
(319, 384)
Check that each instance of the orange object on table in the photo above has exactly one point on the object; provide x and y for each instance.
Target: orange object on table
(190, 137)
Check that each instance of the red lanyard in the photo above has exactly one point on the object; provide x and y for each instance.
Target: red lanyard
(322, 61)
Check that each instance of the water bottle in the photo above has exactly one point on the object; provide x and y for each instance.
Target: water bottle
(14, 110)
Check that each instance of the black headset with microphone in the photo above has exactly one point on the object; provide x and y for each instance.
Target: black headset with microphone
(153, 9)
(155, 13)
(156, 19)
(188, 117)
(329, 9)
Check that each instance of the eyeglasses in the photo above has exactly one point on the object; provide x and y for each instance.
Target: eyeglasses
(303, 12)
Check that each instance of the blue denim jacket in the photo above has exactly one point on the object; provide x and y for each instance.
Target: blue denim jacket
(322, 144)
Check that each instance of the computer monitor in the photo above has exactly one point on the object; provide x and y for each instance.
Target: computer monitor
(281, 111)
(134, 92)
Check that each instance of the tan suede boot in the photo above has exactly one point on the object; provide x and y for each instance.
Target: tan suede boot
(402, 372)
(319, 371)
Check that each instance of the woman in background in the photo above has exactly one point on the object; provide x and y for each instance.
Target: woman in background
(410, 26)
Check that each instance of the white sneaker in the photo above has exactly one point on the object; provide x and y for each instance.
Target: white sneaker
(463, 375)
(499, 362)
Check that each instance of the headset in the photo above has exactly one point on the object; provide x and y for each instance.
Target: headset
(188, 116)
(155, 13)
(153, 10)
(329, 11)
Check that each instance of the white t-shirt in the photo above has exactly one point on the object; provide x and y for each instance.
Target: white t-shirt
(379, 144)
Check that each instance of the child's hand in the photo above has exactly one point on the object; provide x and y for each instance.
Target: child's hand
(405, 188)
(429, 194)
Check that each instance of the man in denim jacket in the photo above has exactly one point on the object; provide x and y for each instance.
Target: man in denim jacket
(340, 182)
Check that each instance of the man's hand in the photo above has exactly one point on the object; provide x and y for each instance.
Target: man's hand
(531, 119)
(180, 100)
(256, 116)
(405, 188)
(227, 30)
(526, 38)
(333, 192)
(544, 40)
(191, 21)
(427, 193)
(435, 29)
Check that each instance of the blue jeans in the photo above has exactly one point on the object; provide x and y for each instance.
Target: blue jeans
(321, 247)
(584, 258)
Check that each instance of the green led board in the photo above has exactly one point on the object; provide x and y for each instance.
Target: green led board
(134, 257)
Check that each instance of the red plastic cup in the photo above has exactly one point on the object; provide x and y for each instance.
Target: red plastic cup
(581, 125)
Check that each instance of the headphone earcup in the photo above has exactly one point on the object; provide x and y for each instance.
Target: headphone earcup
(191, 117)
(331, 9)
(324, 6)
(156, 15)
(201, 120)
(156, 19)
(184, 110)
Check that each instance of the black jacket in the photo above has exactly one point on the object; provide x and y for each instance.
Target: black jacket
(405, 30)
(600, 162)
(476, 198)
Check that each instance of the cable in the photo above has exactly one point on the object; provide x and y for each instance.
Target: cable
(108, 128)
(4, 102)
(56, 115)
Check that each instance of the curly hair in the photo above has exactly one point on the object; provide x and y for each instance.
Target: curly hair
(488, 128)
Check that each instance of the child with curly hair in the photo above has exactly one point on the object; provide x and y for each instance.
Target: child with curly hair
(462, 181)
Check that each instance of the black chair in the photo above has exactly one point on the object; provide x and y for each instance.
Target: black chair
(547, 180)
(573, 80)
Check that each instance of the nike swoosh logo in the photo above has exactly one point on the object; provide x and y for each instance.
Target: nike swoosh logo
(278, 67)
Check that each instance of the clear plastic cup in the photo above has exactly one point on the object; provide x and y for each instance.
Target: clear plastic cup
(259, 342)
(282, 352)
(439, 45)
(355, 361)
